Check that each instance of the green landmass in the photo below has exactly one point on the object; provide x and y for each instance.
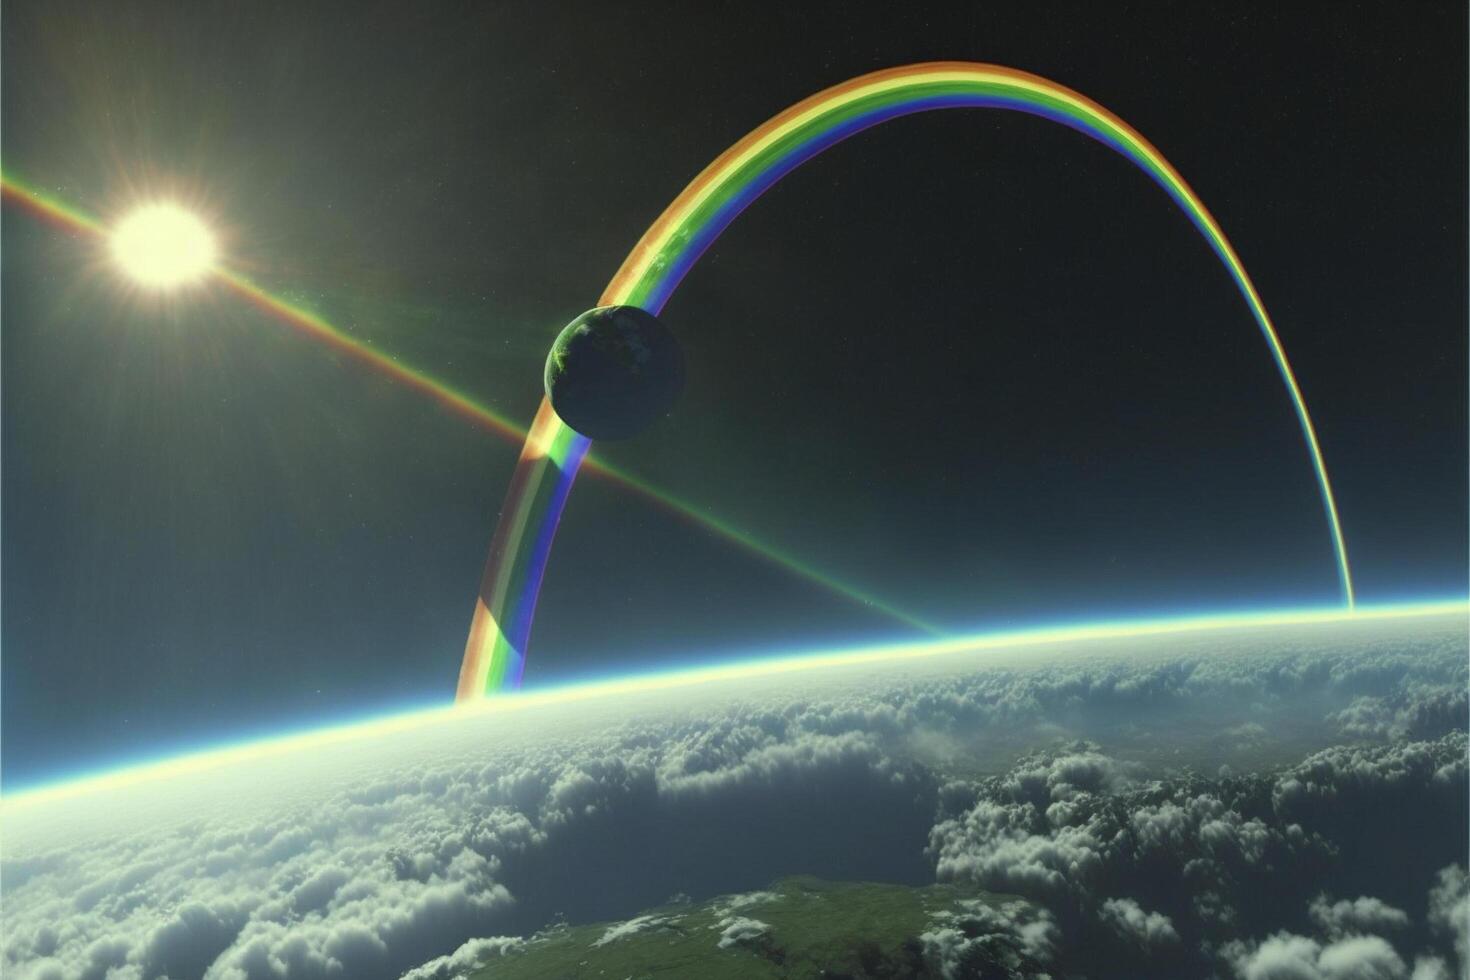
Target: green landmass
(812, 928)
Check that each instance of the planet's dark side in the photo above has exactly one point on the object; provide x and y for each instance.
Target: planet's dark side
(613, 371)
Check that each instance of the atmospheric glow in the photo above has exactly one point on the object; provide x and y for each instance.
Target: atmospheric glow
(893, 655)
(162, 245)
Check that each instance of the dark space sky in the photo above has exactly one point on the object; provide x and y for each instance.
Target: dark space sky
(970, 361)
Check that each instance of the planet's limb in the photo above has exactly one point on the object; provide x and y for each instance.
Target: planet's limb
(613, 371)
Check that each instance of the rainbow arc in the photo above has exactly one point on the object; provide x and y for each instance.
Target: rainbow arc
(501, 624)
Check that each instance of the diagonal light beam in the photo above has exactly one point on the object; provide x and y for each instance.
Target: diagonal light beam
(56, 212)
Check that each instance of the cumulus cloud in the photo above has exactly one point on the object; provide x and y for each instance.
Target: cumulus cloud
(1127, 919)
(1360, 958)
(1288, 957)
(740, 931)
(1282, 957)
(1413, 711)
(1203, 862)
(1351, 950)
(737, 902)
(1430, 968)
(1013, 940)
(1364, 914)
(1449, 910)
(466, 959)
(633, 927)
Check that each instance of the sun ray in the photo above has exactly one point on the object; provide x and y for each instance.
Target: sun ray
(319, 329)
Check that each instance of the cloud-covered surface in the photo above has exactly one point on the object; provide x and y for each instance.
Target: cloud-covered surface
(1166, 877)
(1012, 940)
(1191, 807)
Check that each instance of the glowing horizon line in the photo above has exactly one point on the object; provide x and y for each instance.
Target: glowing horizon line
(317, 327)
(126, 776)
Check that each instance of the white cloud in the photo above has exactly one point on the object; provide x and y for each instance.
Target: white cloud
(1361, 958)
(1281, 957)
(1288, 957)
(643, 923)
(1430, 968)
(1125, 917)
(1013, 940)
(466, 959)
(1210, 861)
(740, 931)
(737, 902)
(1449, 910)
(1364, 914)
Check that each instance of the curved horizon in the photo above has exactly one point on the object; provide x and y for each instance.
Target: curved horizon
(113, 776)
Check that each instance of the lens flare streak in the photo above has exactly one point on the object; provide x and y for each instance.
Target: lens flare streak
(319, 329)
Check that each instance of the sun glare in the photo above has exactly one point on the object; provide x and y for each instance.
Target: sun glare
(162, 245)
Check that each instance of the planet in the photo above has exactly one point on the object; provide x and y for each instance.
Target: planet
(1258, 796)
(614, 371)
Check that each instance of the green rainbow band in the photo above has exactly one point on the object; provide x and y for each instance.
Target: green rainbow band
(500, 631)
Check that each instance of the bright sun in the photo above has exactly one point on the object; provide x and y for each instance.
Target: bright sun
(162, 245)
